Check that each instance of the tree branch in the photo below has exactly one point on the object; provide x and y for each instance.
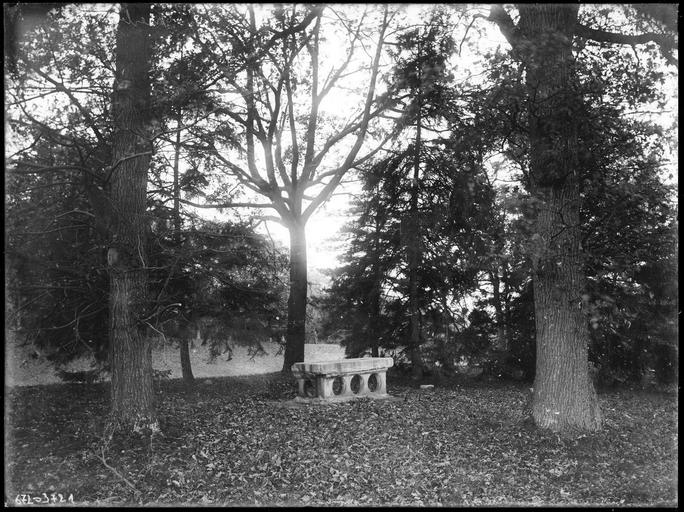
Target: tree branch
(498, 15)
(313, 115)
(38, 168)
(61, 87)
(273, 219)
(229, 205)
(335, 181)
(315, 12)
(604, 36)
(279, 153)
(666, 43)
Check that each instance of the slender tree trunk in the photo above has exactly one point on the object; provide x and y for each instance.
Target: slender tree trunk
(186, 366)
(564, 396)
(507, 309)
(176, 182)
(296, 303)
(446, 359)
(637, 366)
(130, 352)
(374, 316)
(413, 253)
(498, 310)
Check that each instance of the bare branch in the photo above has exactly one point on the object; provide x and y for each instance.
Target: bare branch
(75, 211)
(228, 205)
(334, 182)
(129, 484)
(335, 75)
(282, 171)
(62, 88)
(313, 115)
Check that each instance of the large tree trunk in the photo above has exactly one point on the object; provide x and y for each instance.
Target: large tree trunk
(564, 396)
(130, 352)
(296, 303)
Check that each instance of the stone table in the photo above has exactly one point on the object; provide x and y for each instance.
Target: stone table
(343, 379)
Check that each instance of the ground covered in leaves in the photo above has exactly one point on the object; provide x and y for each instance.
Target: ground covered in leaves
(230, 441)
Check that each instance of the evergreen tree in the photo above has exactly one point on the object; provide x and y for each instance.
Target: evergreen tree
(370, 294)
(421, 73)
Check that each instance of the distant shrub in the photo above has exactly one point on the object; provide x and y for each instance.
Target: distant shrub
(80, 377)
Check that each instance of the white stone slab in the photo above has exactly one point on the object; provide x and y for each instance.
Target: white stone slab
(343, 366)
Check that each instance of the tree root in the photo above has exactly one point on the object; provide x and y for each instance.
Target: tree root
(113, 470)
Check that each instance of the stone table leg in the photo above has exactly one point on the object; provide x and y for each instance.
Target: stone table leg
(347, 390)
(324, 385)
(363, 388)
(382, 383)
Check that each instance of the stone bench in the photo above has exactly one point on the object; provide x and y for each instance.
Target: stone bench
(341, 380)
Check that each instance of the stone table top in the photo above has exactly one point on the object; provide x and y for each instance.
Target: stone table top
(359, 364)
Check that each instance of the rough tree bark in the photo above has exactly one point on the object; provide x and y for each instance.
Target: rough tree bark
(564, 395)
(130, 352)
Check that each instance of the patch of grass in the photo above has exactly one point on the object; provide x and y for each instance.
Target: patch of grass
(225, 442)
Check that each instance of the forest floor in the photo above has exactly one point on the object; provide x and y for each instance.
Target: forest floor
(229, 441)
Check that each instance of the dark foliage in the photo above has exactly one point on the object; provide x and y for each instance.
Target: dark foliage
(368, 300)
(220, 277)
(57, 280)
